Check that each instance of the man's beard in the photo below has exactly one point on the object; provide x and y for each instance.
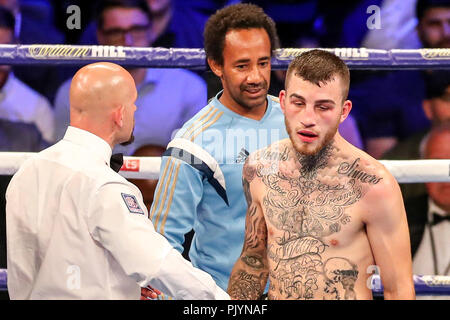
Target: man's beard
(310, 164)
(315, 159)
(303, 149)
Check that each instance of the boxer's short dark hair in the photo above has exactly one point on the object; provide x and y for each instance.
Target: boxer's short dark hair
(319, 66)
(235, 17)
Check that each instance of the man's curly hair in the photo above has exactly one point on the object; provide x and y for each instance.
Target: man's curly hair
(238, 16)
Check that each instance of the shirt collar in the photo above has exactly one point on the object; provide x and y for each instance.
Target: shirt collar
(90, 141)
(215, 101)
(434, 208)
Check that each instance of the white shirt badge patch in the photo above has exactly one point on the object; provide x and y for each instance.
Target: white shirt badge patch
(132, 204)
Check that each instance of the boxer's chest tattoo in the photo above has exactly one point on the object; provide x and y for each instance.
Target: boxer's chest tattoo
(305, 206)
(352, 170)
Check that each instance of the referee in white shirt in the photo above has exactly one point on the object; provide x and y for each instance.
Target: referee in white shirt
(78, 230)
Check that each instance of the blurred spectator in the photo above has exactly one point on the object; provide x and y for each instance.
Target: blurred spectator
(398, 31)
(436, 107)
(18, 102)
(162, 13)
(20, 137)
(35, 21)
(387, 107)
(87, 10)
(434, 32)
(429, 214)
(396, 113)
(175, 23)
(294, 20)
(14, 137)
(341, 24)
(35, 24)
(178, 23)
(166, 97)
(434, 23)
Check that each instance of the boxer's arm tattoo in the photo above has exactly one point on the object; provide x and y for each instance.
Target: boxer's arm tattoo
(255, 233)
(246, 286)
(250, 272)
(253, 261)
(248, 171)
(248, 174)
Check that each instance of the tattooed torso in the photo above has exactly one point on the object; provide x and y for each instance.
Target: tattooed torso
(317, 247)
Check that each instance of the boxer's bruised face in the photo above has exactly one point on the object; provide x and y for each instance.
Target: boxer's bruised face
(434, 28)
(312, 114)
(245, 73)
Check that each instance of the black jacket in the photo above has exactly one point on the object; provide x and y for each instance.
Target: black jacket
(416, 212)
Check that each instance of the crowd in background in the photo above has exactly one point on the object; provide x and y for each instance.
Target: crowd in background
(380, 120)
(393, 111)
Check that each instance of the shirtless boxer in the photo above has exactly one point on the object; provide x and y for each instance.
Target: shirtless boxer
(320, 211)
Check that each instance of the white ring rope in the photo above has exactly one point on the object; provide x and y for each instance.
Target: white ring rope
(133, 167)
(419, 171)
(405, 171)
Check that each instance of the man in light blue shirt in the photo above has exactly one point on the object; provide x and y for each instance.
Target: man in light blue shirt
(200, 184)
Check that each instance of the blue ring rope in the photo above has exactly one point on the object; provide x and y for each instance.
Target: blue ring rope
(356, 58)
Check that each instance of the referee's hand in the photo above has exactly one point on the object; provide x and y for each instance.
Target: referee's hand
(149, 293)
